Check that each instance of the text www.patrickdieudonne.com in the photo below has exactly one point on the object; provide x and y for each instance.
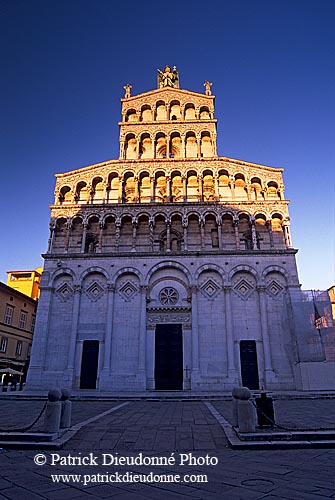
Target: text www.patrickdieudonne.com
(128, 477)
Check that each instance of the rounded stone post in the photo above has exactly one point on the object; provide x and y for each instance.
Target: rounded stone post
(234, 412)
(245, 410)
(66, 409)
(53, 411)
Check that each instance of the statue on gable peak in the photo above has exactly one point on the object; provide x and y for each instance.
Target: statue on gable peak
(168, 78)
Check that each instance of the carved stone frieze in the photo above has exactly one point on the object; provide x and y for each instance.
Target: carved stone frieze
(168, 315)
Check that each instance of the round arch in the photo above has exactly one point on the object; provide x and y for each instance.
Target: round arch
(209, 267)
(243, 268)
(172, 264)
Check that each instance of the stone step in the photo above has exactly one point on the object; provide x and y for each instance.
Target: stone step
(6, 437)
(312, 435)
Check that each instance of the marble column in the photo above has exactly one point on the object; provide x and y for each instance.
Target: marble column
(184, 179)
(200, 187)
(185, 225)
(121, 150)
(120, 195)
(168, 236)
(183, 146)
(195, 332)
(51, 237)
(237, 236)
(74, 328)
(270, 233)
(202, 234)
(253, 234)
(167, 147)
(232, 187)
(269, 373)
(219, 226)
(230, 333)
(83, 241)
(133, 246)
(153, 147)
(168, 188)
(101, 233)
(143, 328)
(151, 234)
(214, 144)
(109, 327)
(287, 234)
(117, 234)
(152, 188)
(136, 195)
(216, 188)
(67, 236)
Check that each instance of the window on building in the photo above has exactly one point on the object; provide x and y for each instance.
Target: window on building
(33, 320)
(29, 351)
(18, 350)
(23, 320)
(9, 315)
(3, 344)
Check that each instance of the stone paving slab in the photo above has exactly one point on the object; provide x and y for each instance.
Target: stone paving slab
(239, 475)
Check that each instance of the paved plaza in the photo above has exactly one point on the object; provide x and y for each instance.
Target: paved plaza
(184, 435)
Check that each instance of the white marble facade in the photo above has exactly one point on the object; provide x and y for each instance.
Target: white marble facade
(170, 241)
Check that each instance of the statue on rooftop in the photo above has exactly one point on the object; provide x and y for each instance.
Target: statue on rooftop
(207, 86)
(168, 78)
(127, 88)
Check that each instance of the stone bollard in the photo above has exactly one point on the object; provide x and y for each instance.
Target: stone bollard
(53, 411)
(66, 414)
(245, 410)
(235, 393)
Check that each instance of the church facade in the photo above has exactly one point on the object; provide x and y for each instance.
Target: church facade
(169, 268)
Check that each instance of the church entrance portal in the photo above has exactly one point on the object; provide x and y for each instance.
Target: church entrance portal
(169, 357)
(249, 365)
(89, 364)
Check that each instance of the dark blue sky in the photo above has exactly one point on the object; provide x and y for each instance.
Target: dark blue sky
(64, 64)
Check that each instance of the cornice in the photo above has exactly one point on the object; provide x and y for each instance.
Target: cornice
(167, 90)
(177, 256)
(119, 164)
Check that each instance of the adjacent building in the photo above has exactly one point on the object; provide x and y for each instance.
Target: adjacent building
(17, 322)
(26, 282)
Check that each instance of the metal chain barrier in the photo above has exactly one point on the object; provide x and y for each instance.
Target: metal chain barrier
(287, 428)
(27, 427)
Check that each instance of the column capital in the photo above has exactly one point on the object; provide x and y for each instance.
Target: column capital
(227, 288)
(77, 289)
(111, 287)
